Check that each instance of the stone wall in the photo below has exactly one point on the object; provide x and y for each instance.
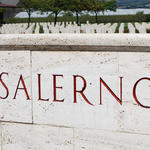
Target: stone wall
(74, 92)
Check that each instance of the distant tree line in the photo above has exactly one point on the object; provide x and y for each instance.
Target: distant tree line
(74, 6)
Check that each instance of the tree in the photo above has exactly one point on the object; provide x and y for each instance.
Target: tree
(111, 5)
(77, 6)
(55, 6)
(29, 6)
(97, 6)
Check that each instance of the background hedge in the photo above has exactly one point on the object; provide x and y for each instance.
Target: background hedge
(84, 18)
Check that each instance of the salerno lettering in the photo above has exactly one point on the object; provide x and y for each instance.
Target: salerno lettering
(21, 86)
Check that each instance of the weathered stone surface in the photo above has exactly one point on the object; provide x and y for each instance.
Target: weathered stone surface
(36, 137)
(119, 127)
(15, 64)
(68, 113)
(109, 66)
(134, 66)
(126, 40)
(0, 137)
(97, 139)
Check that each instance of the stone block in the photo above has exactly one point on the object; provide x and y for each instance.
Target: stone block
(36, 137)
(98, 139)
(68, 113)
(15, 107)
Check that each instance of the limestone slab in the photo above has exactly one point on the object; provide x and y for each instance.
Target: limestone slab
(15, 64)
(129, 40)
(68, 113)
(0, 137)
(36, 137)
(98, 139)
(134, 66)
(110, 67)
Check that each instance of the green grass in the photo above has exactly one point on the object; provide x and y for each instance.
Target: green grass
(126, 29)
(41, 29)
(117, 28)
(136, 30)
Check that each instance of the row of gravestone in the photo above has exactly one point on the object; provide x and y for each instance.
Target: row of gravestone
(47, 28)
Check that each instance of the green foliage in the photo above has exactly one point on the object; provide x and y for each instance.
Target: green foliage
(140, 13)
(75, 6)
(52, 5)
(111, 5)
(29, 6)
(102, 5)
(84, 18)
(117, 28)
(97, 6)
(2, 10)
(55, 6)
(68, 14)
